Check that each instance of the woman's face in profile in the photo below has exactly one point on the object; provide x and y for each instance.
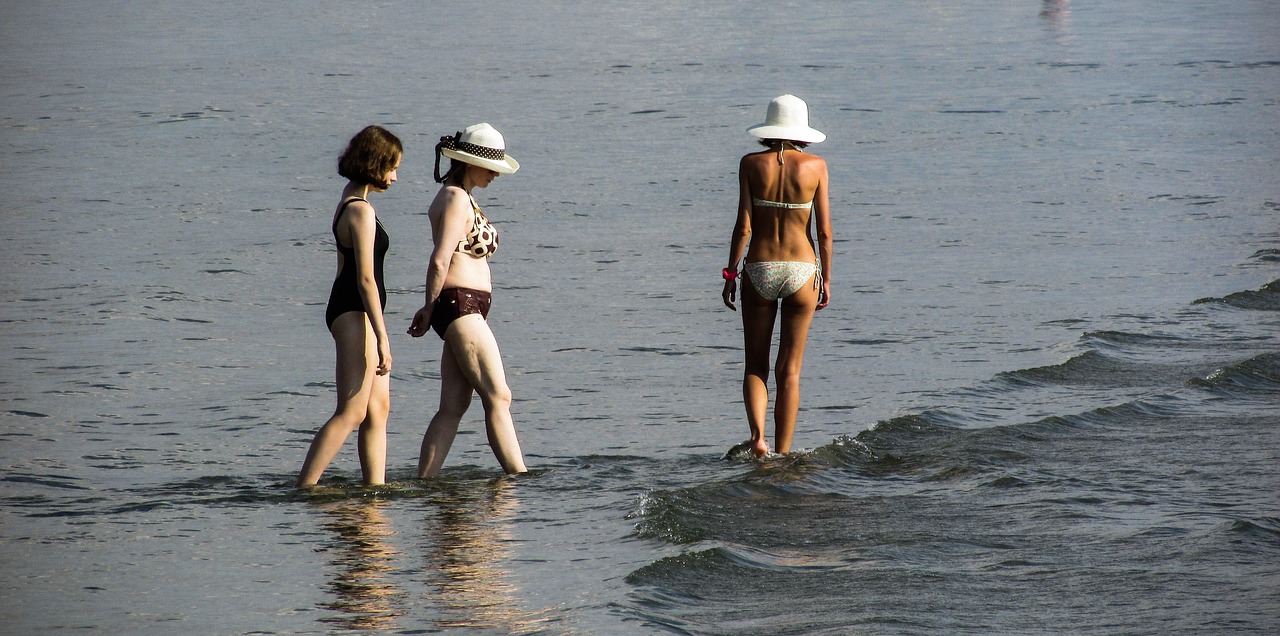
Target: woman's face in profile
(482, 177)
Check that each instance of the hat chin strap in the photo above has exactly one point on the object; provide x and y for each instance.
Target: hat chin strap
(445, 142)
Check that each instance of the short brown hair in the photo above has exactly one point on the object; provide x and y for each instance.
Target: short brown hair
(768, 143)
(370, 155)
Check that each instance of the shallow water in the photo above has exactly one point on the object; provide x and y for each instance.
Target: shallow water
(1042, 401)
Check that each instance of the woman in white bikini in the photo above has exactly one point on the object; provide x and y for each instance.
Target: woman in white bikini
(458, 298)
(781, 190)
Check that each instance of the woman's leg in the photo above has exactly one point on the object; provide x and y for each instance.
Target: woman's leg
(758, 316)
(356, 360)
(455, 398)
(797, 315)
(372, 441)
(476, 351)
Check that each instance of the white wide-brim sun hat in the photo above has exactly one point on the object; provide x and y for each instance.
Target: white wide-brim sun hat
(481, 145)
(787, 118)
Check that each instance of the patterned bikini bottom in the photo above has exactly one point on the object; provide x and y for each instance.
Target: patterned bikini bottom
(779, 279)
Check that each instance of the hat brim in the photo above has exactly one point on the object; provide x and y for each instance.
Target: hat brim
(508, 164)
(790, 133)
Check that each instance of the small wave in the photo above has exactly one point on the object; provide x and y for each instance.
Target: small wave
(28, 413)
(1268, 255)
(1228, 64)
(1265, 529)
(1122, 339)
(52, 481)
(1257, 374)
(1140, 410)
(1267, 298)
(1096, 369)
(220, 491)
(727, 557)
(809, 488)
(689, 515)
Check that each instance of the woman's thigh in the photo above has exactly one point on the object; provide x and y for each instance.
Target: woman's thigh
(476, 352)
(797, 315)
(357, 355)
(455, 389)
(758, 318)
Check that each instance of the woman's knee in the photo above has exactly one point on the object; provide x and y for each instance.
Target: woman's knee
(497, 397)
(757, 363)
(346, 420)
(759, 370)
(353, 404)
(454, 406)
(787, 370)
(374, 424)
(379, 406)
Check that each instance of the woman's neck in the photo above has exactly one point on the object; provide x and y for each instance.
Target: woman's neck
(461, 182)
(357, 190)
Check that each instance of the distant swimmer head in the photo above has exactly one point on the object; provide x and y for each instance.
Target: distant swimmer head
(787, 119)
(479, 145)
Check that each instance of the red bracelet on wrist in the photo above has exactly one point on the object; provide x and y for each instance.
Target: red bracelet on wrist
(729, 274)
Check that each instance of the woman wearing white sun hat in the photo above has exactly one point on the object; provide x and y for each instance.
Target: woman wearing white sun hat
(781, 190)
(458, 297)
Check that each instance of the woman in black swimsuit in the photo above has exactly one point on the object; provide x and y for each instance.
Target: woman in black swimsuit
(458, 297)
(354, 314)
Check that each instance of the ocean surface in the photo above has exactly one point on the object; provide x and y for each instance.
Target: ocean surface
(1045, 398)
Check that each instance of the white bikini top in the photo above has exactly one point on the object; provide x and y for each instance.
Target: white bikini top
(777, 204)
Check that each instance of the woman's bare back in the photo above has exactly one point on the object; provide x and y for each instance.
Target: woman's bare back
(778, 232)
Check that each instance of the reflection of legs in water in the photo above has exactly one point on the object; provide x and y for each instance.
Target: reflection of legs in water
(471, 362)
(366, 595)
(468, 559)
(758, 318)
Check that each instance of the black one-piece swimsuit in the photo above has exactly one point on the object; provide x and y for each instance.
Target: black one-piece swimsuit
(345, 295)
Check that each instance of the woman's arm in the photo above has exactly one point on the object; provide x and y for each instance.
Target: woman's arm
(454, 221)
(741, 236)
(362, 224)
(822, 210)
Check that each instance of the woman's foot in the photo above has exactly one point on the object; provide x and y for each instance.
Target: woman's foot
(759, 448)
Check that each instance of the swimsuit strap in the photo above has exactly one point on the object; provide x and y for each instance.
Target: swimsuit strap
(782, 148)
(343, 208)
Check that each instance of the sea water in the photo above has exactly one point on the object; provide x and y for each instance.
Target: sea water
(1043, 400)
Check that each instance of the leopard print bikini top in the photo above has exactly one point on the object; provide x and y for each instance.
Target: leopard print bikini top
(482, 239)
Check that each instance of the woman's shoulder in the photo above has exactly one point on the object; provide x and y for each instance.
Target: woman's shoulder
(450, 195)
(450, 201)
(812, 164)
(757, 163)
(809, 157)
(355, 209)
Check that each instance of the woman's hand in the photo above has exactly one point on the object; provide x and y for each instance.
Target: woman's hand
(730, 293)
(421, 321)
(824, 294)
(384, 358)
